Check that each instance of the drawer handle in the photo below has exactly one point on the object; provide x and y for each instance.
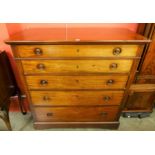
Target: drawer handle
(41, 66)
(49, 114)
(43, 82)
(38, 51)
(110, 82)
(106, 98)
(103, 113)
(46, 98)
(117, 51)
(113, 66)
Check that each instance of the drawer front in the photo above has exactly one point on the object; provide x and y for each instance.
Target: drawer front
(43, 51)
(77, 82)
(76, 114)
(77, 66)
(62, 98)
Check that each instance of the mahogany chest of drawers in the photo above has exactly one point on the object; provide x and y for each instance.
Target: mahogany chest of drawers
(76, 79)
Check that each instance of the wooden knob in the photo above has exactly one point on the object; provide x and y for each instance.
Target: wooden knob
(43, 82)
(110, 82)
(41, 66)
(106, 98)
(117, 51)
(46, 98)
(38, 51)
(49, 114)
(113, 66)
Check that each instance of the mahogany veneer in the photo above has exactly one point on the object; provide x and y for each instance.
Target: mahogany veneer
(76, 77)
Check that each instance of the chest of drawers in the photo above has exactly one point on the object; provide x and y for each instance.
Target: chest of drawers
(76, 82)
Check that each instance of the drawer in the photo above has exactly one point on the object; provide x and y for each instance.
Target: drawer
(76, 114)
(77, 82)
(76, 66)
(44, 51)
(63, 98)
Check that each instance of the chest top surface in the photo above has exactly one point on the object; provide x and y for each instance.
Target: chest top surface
(76, 36)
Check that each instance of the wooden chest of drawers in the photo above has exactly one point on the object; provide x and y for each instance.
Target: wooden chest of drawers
(76, 83)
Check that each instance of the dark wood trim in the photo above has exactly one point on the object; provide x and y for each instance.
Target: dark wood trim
(141, 28)
(75, 89)
(78, 58)
(45, 125)
(75, 74)
(136, 110)
(88, 105)
(145, 29)
(96, 42)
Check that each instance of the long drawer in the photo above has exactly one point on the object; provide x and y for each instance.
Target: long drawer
(77, 82)
(76, 114)
(43, 51)
(77, 66)
(80, 98)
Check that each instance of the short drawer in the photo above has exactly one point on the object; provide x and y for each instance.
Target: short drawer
(83, 98)
(76, 66)
(44, 51)
(76, 114)
(77, 82)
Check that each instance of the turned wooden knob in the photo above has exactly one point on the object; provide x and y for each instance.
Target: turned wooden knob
(106, 98)
(43, 82)
(117, 51)
(113, 66)
(41, 66)
(38, 51)
(110, 82)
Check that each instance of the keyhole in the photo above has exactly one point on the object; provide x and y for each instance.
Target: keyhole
(77, 50)
(77, 66)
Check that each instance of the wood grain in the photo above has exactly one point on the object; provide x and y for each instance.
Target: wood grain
(74, 72)
(76, 114)
(80, 66)
(140, 101)
(28, 51)
(142, 94)
(105, 125)
(76, 98)
(76, 36)
(77, 82)
(142, 87)
(148, 64)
